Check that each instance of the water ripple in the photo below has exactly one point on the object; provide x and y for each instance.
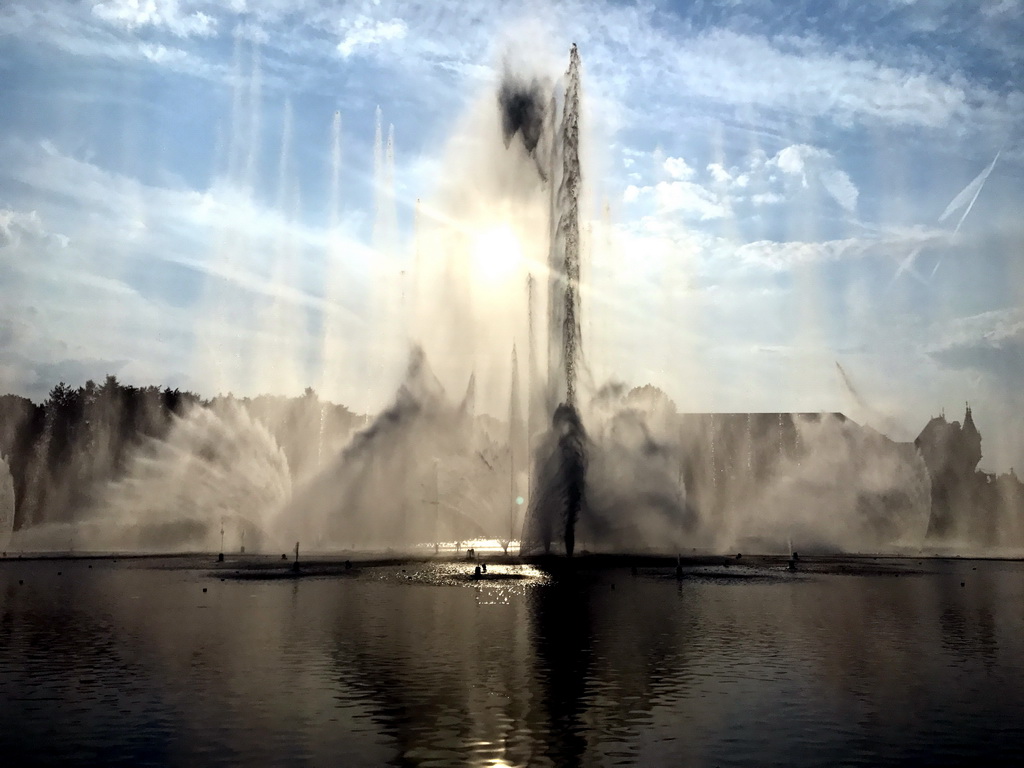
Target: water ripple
(422, 664)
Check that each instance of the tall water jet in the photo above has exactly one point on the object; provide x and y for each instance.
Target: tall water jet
(332, 348)
(560, 472)
(6, 504)
(567, 233)
(517, 448)
(284, 319)
(224, 307)
(386, 273)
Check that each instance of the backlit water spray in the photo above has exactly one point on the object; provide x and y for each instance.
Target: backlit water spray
(561, 462)
(496, 264)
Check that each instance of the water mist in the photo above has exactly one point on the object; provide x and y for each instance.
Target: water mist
(496, 266)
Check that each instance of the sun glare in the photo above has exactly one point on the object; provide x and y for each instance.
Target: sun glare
(497, 254)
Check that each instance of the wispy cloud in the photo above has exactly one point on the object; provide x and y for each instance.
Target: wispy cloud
(803, 76)
(363, 33)
(989, 342)
(166, 14)
(630, 51)
(17, 227)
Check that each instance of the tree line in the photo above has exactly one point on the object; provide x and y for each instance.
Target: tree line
(62, 452)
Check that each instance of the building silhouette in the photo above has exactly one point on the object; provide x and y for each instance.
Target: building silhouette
(968, 505)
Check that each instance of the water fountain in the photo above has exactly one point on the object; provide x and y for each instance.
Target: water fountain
(601, 468)
(6, 504)
(560, 490)
(218, 469)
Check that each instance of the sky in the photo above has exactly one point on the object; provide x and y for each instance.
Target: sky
(790, 206)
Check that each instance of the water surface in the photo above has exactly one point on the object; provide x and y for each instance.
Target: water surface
(129, 662)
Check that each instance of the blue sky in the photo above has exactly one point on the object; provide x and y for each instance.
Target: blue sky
(757, 173)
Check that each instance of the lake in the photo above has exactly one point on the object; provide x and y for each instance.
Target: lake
(857, 662)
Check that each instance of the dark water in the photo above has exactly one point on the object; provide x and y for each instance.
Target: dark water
(130, 663)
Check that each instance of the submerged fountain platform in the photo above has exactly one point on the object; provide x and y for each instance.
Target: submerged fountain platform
(542, 569)
(456, 569)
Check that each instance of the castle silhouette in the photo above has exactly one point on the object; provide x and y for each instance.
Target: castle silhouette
(968, 505)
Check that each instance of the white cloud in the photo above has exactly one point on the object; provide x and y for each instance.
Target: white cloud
(161, 54)
(778, 256)
(72, 29)
(792, 173)
(887, 244)
(689, 199)
(791, 160)
(1003, 8)
(677, 168)
(672, 228)
(808, 78)
(17, 228)
(813, 164)
(799, 77)
(168, 14)
(842, 189)
(997, 330)
(363, 32)
(719, 173)
(767, 198)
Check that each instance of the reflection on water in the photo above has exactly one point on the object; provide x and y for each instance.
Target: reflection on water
(132, 663)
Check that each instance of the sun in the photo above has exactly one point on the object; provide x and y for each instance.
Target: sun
(497, 254)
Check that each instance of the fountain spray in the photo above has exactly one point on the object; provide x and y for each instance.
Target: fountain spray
(558, 485)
